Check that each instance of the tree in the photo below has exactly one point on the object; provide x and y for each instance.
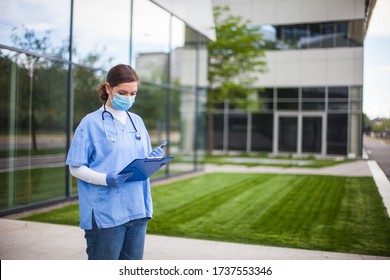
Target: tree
(234, 57)
(367, 124)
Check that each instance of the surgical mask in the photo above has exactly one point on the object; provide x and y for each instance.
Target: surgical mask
(122, 103)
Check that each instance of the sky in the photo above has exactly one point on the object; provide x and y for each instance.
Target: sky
(376, 88)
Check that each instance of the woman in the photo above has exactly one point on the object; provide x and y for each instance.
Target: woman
(113, 212)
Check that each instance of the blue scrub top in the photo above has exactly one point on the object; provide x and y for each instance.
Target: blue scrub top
(111, 206)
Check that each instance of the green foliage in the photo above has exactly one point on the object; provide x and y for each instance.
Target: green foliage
(367, 125)
(235, 54)
(384, 125)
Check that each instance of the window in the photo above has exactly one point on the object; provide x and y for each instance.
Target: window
(313, 99)
(338, 98)
(314, 35)
(287, 99)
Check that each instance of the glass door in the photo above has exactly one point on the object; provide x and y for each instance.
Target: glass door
(311, 134)
(300, 133)
(288, 134)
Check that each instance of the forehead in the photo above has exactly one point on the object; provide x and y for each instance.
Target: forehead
(129, 87)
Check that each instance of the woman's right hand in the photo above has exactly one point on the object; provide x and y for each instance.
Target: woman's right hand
(115, 180)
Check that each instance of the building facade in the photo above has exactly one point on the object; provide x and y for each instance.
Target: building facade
(311, 95)
(53, 54)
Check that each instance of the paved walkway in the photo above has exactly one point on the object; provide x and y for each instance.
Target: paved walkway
(29, 240)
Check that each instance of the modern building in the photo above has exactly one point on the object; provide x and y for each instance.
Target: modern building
(53, 54)
(312, 93)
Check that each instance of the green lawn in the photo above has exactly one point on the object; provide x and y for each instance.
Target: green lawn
(341, 214)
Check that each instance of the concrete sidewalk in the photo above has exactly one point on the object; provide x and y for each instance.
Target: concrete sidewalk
(22, 240)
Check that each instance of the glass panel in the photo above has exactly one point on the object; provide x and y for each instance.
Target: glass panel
(287, 98)
(288, 132)
(338, 98)
(217, 131)
(313, 35)
(22, 23)
(338, 106)
(101, 31)
(262, 132)
(266, 99)
(238, 124)
(337, 134)
(341, 34)
(150, 44)
(328, 35)
(151, 105)
(337, 93)
(311, 134)
(184, 128)
(32, 131)
(313, 99)
(85, 96)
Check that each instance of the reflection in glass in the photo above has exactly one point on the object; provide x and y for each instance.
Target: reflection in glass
(19, 18)
(170, 57)
(151, 45)
(32, 138)
(101, 31)
(313, 35)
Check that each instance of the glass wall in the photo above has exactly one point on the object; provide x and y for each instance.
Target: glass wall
(314, 35)
(50, 88)
(307, 120)
(101, 32)
(32, 134)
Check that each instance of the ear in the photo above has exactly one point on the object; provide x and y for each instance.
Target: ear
(107, 86)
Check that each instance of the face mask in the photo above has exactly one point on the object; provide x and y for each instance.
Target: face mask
(122, 103)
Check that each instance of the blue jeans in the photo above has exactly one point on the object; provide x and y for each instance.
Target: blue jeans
(124, 242)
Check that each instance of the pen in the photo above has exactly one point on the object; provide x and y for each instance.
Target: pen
(163, 144)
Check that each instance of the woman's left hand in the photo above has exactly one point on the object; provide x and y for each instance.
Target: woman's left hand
(157, 152)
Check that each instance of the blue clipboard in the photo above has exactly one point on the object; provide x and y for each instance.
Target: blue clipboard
(143, 168)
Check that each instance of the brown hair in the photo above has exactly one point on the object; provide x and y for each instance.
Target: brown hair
(118, 74)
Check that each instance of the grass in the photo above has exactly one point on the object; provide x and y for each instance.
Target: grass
(330, 213)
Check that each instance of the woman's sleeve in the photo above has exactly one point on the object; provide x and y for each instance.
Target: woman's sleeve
(88, 175)
(80, 149)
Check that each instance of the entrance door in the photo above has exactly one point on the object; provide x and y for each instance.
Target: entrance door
(311, 134)
(288, 134)
(299, 133)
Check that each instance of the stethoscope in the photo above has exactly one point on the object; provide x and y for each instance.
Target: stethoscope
(112, 139)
